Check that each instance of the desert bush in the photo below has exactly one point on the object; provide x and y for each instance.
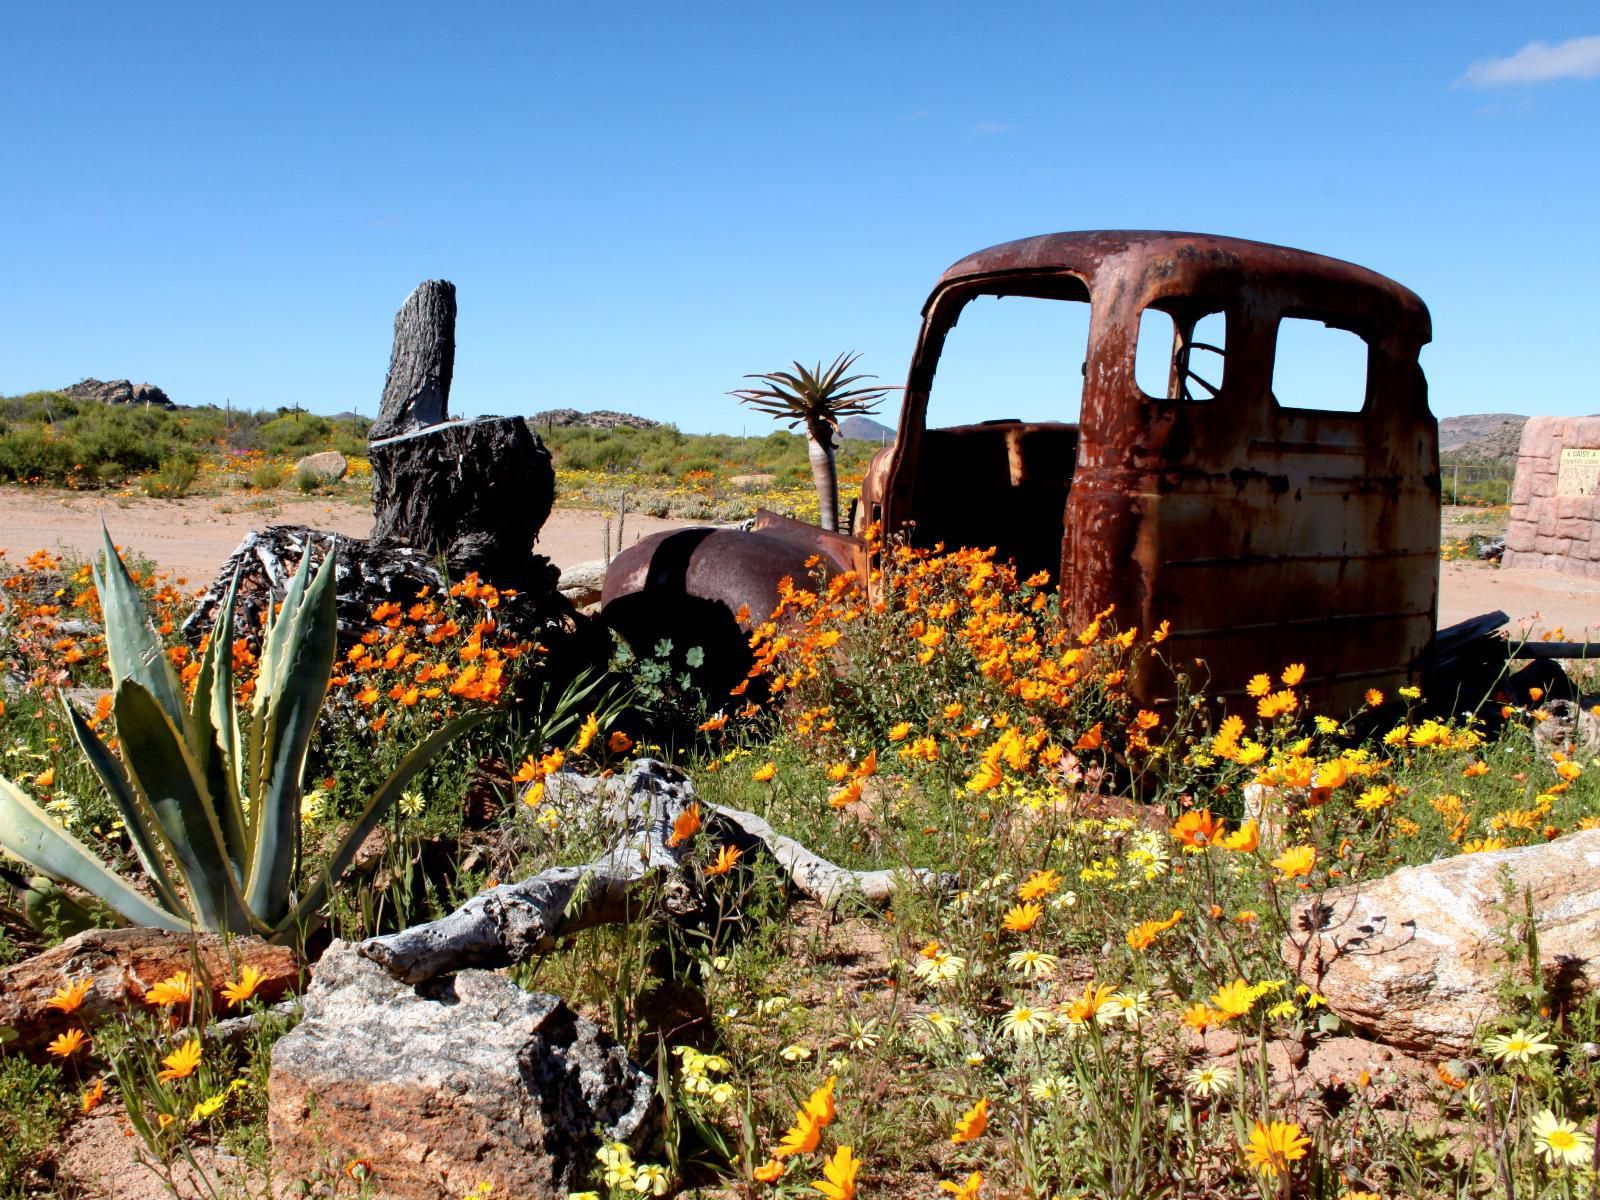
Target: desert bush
(267, 475)
(173, 478)
(294, 432)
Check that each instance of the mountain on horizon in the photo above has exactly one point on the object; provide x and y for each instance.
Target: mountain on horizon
(865, 429)
(1481, 437)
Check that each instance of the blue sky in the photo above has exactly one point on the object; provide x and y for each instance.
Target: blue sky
(641, 203)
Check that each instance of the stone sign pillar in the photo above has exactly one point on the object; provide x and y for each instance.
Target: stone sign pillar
(1555, 501)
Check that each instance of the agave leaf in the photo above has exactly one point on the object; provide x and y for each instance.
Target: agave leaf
(165, 772)
(214, 732)
(27, 831)
(421, 755)
(280, 632)
(303, 667)
(268, 671)
(50, 909)
(132, 647)
(143, 829)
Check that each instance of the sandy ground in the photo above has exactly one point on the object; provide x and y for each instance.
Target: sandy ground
(1536, 601)
(193, 536)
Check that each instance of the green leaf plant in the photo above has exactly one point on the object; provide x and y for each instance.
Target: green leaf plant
(211, 796)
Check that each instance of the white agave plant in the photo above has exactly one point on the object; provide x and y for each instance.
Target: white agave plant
(212, 804)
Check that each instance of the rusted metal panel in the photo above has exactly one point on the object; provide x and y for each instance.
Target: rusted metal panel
(1265, 534)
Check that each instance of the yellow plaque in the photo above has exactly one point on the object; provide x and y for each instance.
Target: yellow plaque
(1579, 474)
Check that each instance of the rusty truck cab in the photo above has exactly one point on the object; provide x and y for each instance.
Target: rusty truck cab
(1266, 534)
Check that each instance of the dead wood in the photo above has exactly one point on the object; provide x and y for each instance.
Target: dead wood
(640, 875)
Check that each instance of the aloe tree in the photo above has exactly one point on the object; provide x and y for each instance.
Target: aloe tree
(211, 802)
(817, 399)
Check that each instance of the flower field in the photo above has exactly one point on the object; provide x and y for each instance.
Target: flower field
(1110, 998)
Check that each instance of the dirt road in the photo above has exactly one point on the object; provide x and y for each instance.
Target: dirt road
(193, 536)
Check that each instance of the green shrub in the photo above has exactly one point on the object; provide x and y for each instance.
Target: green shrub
(32, 1114)
(267, 476)
(295, 432)
(173, 479)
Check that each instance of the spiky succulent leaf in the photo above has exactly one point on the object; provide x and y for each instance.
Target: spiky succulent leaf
(413, 763)
(214, 733)
(137, 817)
(132, 648)
(51, 910)
(28, 832)
(165, 773)
(288, 704)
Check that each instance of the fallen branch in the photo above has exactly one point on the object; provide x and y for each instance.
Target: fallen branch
(640, 874)
(817, 878)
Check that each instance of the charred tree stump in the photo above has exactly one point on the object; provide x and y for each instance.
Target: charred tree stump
(477, 492)
(417, 391)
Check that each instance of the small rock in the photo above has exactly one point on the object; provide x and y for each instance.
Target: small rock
(752, 483)
(582, 582)
(1569, 729)
(1415, 958)
(327, 467)
(464, 1080)
(124, 964)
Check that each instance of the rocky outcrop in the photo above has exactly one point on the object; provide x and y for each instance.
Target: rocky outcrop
(1416, 958)
(603, 418)
(329, 466)
(461, 1081)
(119, 391)
(124, 964)
(476, 491)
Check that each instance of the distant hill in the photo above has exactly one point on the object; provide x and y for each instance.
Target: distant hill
(1481, 437)
(865, 429)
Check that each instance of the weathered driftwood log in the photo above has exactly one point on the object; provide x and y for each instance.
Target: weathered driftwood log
(515, 921)
(417, 391)
(641, 874)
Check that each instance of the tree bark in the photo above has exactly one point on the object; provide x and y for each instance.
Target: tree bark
(416, 393)
(824, 473)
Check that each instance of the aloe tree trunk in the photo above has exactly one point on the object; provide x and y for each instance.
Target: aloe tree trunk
(824, 473)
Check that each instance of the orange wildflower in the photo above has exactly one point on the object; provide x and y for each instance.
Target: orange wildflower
(1143, 935)
(176, 988)
(686, 825)
(971, 1124)
(92, 1096)
(181, 1063)
(1039, 885)
(67, 1044)
(68, 999)
(1196, 830)
(726, 857)
(1022, 917)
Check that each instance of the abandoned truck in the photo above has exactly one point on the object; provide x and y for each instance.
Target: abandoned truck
(1264, 533)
